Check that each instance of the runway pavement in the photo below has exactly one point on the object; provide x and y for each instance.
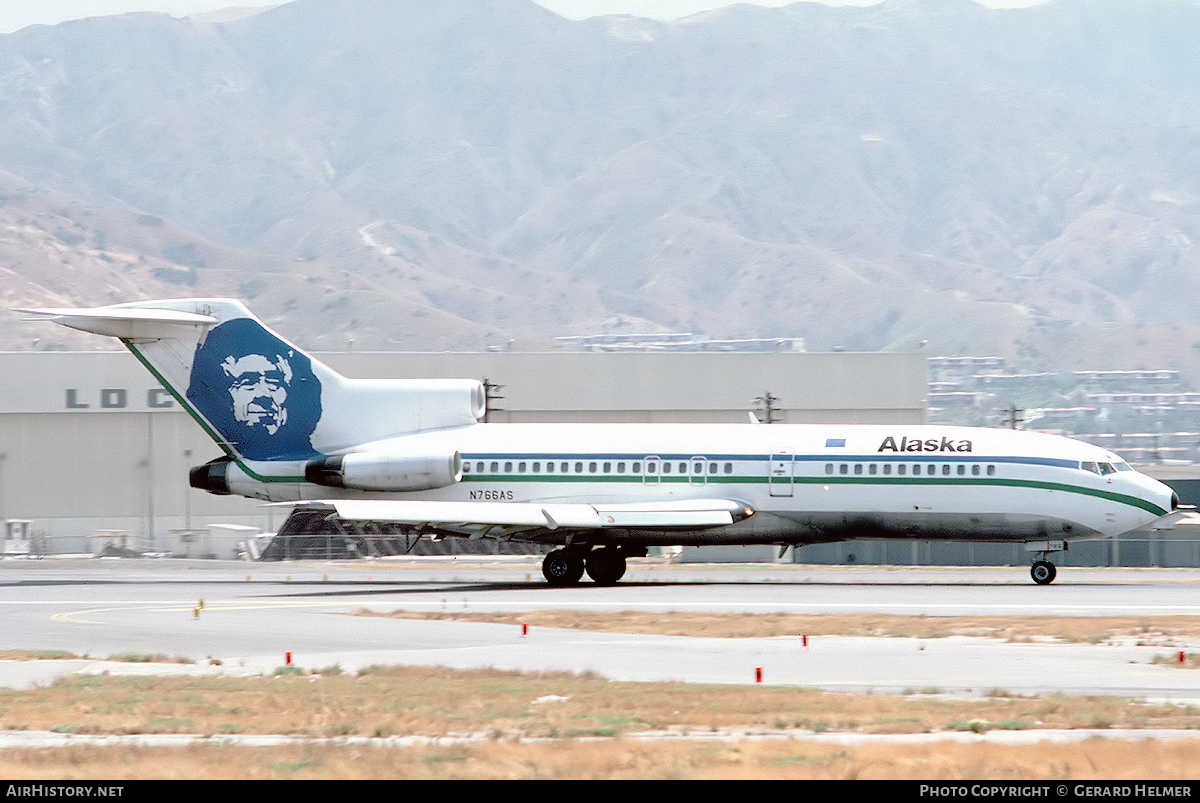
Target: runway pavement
(242, 618)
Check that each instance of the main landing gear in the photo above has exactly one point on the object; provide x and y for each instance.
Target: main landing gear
(565, 567)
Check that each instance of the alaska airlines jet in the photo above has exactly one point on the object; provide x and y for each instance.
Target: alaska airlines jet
(414, 452)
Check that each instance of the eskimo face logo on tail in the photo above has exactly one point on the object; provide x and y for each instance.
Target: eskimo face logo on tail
(260, 394)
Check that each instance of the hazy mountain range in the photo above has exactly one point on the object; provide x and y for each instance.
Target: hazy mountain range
(458, 174)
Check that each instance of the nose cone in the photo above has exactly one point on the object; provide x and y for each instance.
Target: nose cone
(1158, 495)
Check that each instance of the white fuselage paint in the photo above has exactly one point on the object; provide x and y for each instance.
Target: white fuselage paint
(807, 483)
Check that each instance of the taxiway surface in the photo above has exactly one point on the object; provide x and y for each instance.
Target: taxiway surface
(241, 617)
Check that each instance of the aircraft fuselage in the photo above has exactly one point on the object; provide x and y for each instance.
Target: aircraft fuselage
(807, 483)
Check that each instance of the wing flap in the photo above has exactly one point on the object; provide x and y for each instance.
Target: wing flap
(690, 514)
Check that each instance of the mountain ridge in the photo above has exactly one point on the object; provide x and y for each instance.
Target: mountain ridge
(412, 175)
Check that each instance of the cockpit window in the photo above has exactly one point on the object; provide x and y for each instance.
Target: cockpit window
(1092, 467)
(1121, 465)
(1107, 468)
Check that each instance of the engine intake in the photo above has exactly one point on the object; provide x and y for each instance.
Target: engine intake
(365, 471)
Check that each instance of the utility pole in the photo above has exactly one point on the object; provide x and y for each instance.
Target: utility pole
(766, 407)
(490, 396)
(1013, 417)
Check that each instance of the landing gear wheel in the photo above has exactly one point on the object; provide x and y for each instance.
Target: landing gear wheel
(562, 568)
(1043, 572)
(606, 565)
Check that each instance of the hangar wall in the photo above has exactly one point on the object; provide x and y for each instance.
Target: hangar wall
(92, 450)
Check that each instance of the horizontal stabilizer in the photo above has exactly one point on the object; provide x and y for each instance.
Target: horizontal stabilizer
(124, 322)
(693, 513)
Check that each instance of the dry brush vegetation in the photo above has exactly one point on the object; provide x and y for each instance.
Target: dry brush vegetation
(492, 724)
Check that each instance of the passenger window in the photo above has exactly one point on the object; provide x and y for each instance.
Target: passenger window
(887, 468)
(871, 469)
(579, 468)
(508, 467)
(521, 467)
(537, 467)
(495, 466)
(651, 467)
(900, 469)
(549, 466)
(858, 468)
(729, 468)
(466, 468)
(843, 469)
(591, 468)
(917, 468)
(991, 471)
(666, 468)
(620, 468)
(962, 470)
(608, 468)
(829, 468)
(975, 469)
(946, 470)
(637, 468)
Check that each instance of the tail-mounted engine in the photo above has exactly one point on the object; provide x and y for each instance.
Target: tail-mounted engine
(213, 477)
(367, 471)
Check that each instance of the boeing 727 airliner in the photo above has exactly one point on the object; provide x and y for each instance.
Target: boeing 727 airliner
(414, 452)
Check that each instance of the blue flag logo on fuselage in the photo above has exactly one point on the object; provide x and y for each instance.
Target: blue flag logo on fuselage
(259, 393)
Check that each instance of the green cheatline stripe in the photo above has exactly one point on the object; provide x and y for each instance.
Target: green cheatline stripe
(1124, 499)
(229, 452)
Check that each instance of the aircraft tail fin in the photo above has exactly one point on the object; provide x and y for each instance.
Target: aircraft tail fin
(256, 394)
(260, 396)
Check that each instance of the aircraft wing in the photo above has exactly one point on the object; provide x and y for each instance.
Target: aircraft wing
(1168, 522)
(674, 514)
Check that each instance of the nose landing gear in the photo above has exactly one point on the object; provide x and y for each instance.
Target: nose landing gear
(1043, 572)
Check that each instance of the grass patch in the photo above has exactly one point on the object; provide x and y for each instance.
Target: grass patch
(440, 702)
(39, 655)
(1191, 660)
(143, 658)
(1089, 630)
(617, 759)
